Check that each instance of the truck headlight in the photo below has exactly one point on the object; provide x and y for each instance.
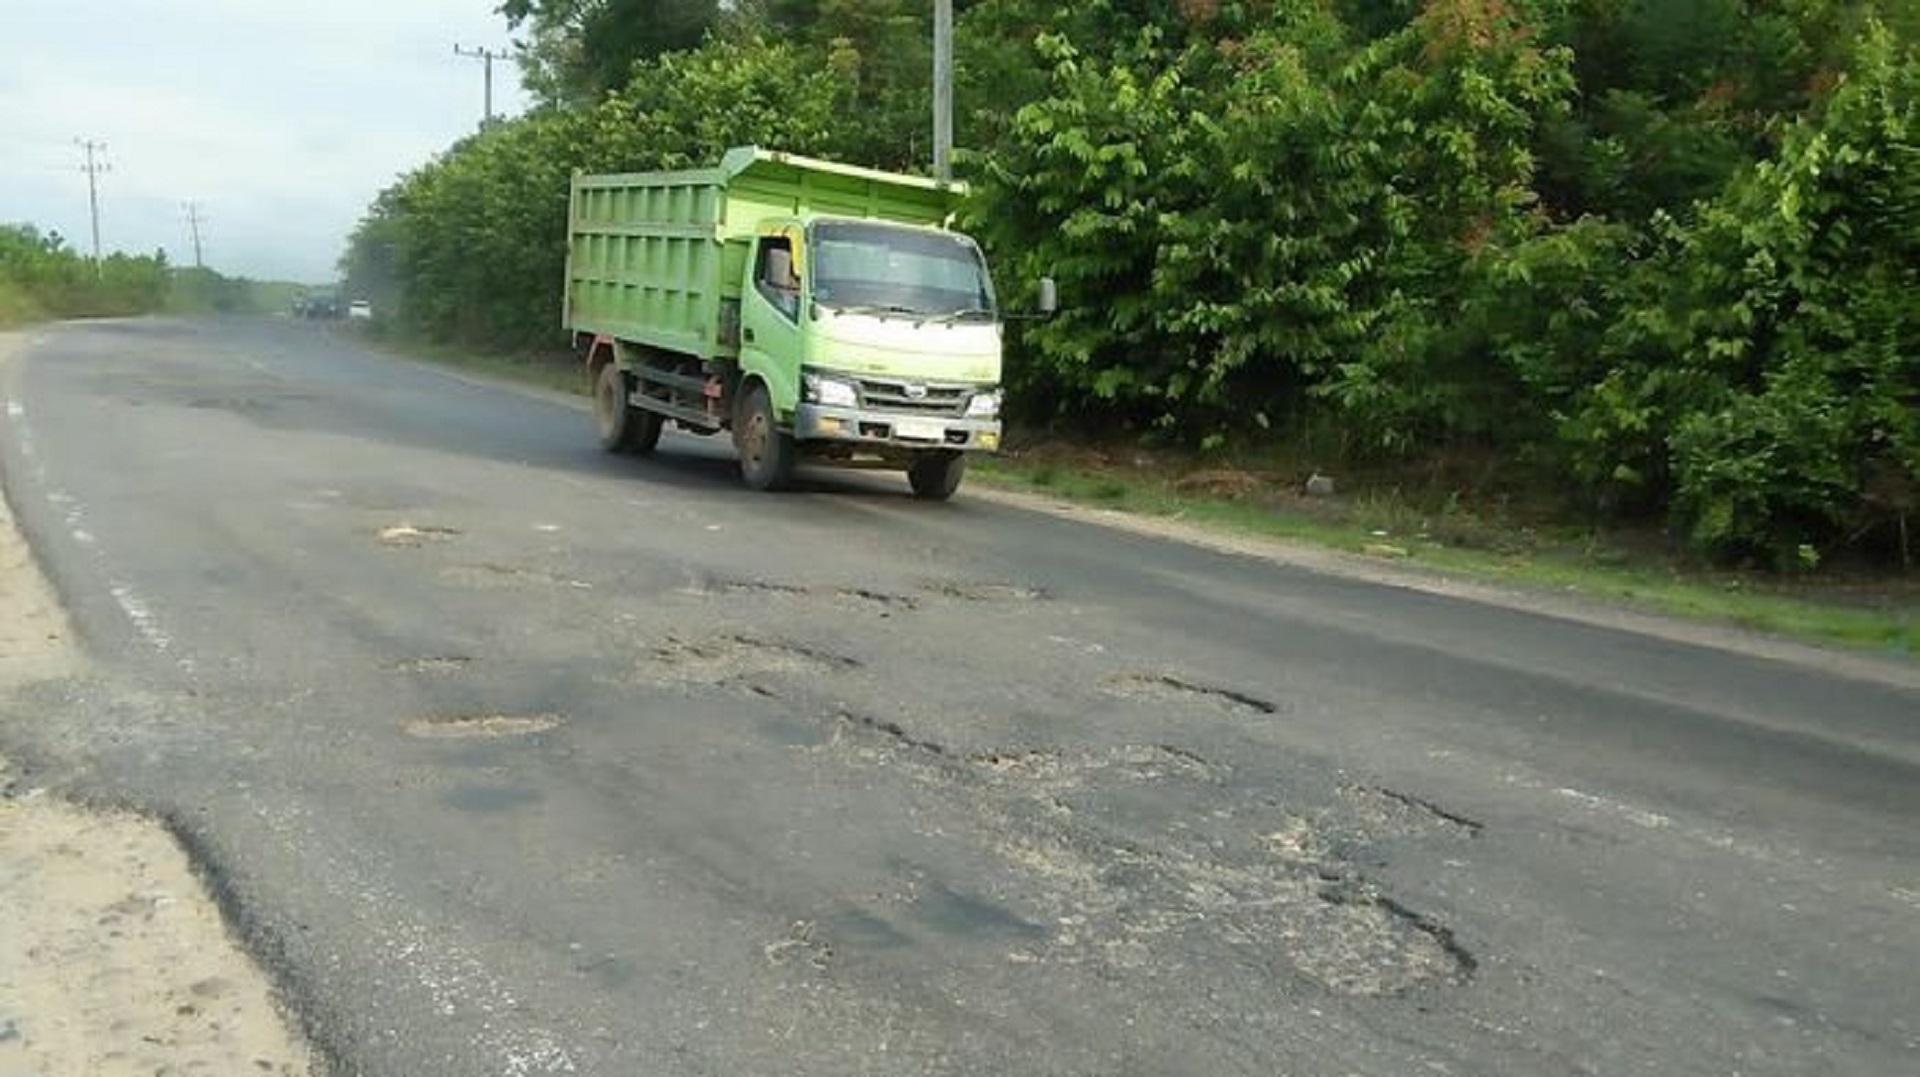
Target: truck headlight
(984, 405)
(833, 392)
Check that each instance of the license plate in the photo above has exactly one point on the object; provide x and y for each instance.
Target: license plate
(920, 430)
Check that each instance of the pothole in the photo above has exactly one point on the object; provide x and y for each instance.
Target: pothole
(481, 726)
(801, 945)
(1385, 811)
(891, 730)
(1029, 764)
(446, 663)
(861, 596)
(1051, 766)
(731, 657)
(487, 575)
(1165, 687)
(1368, 944)
(1140, 855)
(712, 587)
(966, 591)
(414, 534)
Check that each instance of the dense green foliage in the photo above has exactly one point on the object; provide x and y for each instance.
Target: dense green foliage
(41, 277)
(1660, 254)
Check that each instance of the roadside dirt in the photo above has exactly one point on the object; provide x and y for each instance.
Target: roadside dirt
(113, 959)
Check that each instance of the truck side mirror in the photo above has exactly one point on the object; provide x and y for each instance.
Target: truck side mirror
(1049, 296)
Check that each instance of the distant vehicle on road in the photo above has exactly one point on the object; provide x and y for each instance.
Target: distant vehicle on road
(323, 305)
(360, 311)
(813, 309)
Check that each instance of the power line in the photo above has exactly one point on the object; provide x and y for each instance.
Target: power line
(486, 57)
(194, 220)
(93, 168)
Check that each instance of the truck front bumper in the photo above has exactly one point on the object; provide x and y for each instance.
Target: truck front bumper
(890, 430)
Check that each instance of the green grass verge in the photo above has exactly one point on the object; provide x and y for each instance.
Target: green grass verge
(558, 374)
(17, 308)
(1887, 621)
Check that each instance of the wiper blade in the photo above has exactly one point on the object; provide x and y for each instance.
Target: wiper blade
(957, 315)
(875, 308)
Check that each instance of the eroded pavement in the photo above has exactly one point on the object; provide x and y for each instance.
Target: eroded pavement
(510, 757)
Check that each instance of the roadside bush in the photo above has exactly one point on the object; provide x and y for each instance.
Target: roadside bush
(1770, 369)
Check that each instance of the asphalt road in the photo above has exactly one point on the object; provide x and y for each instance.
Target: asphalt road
(508, 757)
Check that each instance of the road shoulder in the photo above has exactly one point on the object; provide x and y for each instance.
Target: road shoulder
(115, 959)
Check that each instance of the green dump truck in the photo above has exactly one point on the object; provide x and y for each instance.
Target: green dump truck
(815, 310)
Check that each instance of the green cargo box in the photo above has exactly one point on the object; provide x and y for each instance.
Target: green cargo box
(657, 258)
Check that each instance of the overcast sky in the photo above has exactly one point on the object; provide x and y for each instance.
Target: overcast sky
(283, 119)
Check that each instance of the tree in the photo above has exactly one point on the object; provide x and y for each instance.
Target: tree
(576, 50)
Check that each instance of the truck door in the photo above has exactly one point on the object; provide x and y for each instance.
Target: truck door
(770, 312)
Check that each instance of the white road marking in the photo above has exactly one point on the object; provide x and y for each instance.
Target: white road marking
(16, 410)
(142, 617)
(1640, 817)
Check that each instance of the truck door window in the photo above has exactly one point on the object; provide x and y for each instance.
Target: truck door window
(774, 278)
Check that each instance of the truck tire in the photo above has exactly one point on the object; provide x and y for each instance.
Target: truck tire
(766, 451)
(623, 427)
(935, 476)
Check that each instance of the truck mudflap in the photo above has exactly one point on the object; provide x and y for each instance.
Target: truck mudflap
(888, 430)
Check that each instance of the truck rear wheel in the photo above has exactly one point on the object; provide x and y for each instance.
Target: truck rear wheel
(766, 452)
(935, 476)
(623, 427)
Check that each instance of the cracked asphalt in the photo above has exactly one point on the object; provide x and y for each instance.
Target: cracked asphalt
(508, 757)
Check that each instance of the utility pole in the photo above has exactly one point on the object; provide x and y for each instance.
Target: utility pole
(93, 168)
(943, 90)
(194, 221)
(486, 57)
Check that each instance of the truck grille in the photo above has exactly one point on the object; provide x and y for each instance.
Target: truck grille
(914, 397)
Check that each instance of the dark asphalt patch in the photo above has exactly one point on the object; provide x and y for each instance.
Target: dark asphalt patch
(489, 799)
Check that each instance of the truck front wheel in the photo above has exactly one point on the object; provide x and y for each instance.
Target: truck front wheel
(934, 476)
(766, 452)
(623, 427)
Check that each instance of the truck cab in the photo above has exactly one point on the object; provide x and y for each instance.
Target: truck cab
(891, 331)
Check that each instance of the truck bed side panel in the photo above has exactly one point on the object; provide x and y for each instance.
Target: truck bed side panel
(646, 262)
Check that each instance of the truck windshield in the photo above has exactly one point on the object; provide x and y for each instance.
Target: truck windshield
(899, 270)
